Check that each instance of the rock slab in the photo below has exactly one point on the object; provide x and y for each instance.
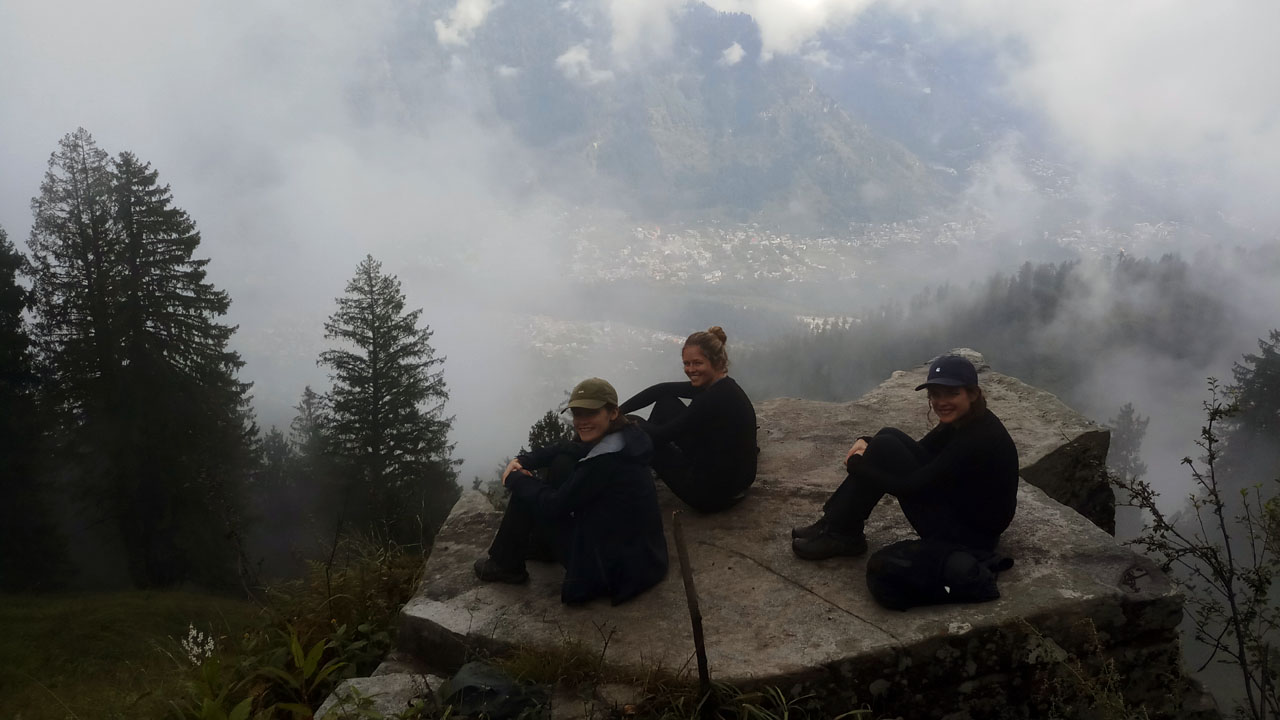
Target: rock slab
(772, 619)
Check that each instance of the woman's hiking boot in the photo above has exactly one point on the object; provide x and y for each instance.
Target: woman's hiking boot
(828, 545)
(489, 570)
(813, 530)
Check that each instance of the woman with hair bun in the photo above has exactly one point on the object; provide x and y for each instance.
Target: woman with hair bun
(705, 451)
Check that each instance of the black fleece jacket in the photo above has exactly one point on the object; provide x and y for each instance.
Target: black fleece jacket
(717, 432)
(611, 537)
(974, 470)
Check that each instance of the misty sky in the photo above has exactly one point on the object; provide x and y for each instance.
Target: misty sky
(285, 130)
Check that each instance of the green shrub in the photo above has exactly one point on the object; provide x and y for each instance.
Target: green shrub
(335, 623)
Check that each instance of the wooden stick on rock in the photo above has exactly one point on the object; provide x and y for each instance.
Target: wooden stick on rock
(691, 594)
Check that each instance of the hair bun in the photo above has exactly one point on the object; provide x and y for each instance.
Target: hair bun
(719, 333)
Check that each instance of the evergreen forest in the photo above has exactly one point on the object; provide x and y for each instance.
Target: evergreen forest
(126, 421)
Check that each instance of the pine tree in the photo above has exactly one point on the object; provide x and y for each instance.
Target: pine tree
(167, 306)
(153, 417)
(1128, 430)
(75, 256)
(387, 403)
(1252, 436)
(278, 459)
(1258, 388)
(551, 429)
(277, 504)
(1124, 461)
(307, 431)
(31, 550)
(315, 471)
(197, 426)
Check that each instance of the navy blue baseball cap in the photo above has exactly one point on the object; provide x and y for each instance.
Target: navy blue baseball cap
(951, 370)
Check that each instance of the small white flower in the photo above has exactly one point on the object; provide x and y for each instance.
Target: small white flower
(198, 646)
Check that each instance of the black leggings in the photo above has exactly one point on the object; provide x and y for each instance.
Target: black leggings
(522, 535)
(699, 491)
(896, 453)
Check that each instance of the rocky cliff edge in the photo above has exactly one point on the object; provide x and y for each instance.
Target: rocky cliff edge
(771, 619)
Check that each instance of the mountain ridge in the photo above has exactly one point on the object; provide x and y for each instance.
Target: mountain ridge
(698, 133)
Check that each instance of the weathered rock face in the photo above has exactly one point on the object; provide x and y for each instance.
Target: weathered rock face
(771, 619)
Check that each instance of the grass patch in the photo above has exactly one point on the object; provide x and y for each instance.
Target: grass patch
(109, 656)
(104, 655)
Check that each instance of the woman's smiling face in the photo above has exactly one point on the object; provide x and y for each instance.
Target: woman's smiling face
(698, 368)
(951, 402)
(591, 425)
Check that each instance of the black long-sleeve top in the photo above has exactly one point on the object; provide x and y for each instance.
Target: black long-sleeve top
(717, 432)
(974, 469)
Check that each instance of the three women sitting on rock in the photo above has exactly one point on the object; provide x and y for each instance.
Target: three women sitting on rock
(597, 511)
(958, 484)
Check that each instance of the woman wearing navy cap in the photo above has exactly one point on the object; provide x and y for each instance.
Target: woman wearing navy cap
(957, 484)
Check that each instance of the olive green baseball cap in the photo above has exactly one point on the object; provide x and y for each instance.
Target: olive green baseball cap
(592, 394)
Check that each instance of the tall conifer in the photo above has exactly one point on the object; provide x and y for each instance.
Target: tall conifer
(1252, 435)
(387, 405)
(152, 412)
(76, 271)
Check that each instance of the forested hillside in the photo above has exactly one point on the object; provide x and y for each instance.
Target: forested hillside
(1048, 324)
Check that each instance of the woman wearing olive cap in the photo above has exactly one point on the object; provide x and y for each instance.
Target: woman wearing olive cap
(958, 484)
(598, 507)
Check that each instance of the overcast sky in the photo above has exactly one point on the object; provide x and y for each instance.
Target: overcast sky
(284, 131)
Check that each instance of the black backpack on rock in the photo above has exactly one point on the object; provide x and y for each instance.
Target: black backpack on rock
(911, 573)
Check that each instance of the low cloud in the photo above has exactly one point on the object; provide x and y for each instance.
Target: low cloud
(576, 65)
(731, 56)
(821, 57)
(464, 19)
(1181, 94)
(642, 30)
(785, 26)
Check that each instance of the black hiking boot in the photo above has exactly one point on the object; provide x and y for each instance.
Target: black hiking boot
(829, 545)
(490, 571)
(813, 530)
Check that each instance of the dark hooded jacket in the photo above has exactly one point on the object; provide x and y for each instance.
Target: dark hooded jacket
(610, 538)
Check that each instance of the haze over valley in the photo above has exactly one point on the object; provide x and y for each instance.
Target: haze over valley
(569, 188)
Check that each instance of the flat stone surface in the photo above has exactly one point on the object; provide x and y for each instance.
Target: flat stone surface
(770, 617)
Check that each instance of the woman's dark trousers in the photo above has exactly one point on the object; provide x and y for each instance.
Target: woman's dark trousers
(896, 453)
(522, 535)
(675, 469)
